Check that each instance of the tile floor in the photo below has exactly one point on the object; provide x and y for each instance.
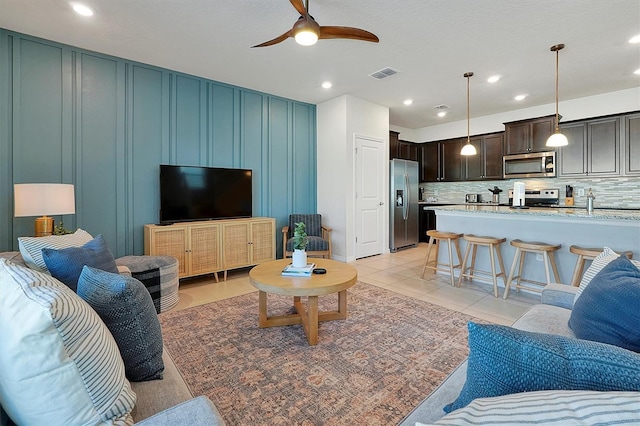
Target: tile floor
(399, 272)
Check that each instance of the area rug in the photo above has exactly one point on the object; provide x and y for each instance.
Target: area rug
(372, 368)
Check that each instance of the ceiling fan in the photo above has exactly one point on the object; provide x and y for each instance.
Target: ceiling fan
(306, 30)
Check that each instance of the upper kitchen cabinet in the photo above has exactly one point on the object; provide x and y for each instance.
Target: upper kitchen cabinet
(429, 162)
(393, 144)
(407, 150)
(487, 163)
(632, 145)
(593, 149)
(451, 161)
(529, 135)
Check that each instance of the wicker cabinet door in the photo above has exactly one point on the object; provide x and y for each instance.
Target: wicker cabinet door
(236, 251)
(205, 249)
(263, 241)
(170, 241)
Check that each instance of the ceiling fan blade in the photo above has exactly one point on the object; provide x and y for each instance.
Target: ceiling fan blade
(276, 40)
(347, 32)
(299, 6)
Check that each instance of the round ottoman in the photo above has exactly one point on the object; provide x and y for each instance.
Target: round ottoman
(159, 274)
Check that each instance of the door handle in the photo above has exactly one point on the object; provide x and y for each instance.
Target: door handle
(381, 203)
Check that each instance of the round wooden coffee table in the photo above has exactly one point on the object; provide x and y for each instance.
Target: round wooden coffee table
(267, 278)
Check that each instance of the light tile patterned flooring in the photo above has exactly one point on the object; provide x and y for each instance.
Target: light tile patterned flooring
(398, 272)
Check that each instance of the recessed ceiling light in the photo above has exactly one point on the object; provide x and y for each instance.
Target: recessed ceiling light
(82, 9)
(327, 85)
(408, 101)
(442, 113)
(637, 71)
(635, 39)
(494, 78)
(520, 97)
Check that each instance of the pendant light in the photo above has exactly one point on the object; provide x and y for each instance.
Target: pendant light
(557, 138)
(468, 149)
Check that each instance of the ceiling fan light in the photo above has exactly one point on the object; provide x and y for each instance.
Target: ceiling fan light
(557, 139)
(468, 149)
(306, 37)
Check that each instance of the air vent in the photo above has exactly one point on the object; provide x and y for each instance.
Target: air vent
(384, 73)
(441, 107)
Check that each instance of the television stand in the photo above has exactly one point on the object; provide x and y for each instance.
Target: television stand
(212, 246)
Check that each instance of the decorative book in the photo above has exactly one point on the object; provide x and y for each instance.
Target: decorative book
(292, 271)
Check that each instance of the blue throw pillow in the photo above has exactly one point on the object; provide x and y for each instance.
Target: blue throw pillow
(608, 310)
(505, 360)
(66, 264)
(125, 306)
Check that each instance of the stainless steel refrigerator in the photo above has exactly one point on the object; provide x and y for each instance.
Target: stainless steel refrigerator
(403, 215)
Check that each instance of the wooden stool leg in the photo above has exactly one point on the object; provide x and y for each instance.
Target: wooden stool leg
(435, 270)
(464, 264)
(516, 255)
(473, 261)
(453, 283)
(554, 266)
(426, 260)
(501, 264)
(577, 272)
(457, 244)
(493, 271)
(523, 254)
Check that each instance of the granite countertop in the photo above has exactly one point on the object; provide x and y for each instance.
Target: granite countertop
(541, 211)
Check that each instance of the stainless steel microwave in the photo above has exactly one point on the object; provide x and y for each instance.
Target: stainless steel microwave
(534, 164)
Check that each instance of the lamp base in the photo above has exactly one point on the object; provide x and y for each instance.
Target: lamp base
(44, 226)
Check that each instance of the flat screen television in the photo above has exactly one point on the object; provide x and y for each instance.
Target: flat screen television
(190, 193)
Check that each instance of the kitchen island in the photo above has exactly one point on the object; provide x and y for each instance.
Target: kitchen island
(617, 229)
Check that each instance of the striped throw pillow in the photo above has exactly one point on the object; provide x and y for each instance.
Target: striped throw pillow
(551, 407)
(31, 247)
(59, 363)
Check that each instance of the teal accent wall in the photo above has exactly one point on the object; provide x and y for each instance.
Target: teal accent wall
(105, 124)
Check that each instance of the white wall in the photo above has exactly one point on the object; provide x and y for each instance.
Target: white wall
(575, 109)
(339, 120)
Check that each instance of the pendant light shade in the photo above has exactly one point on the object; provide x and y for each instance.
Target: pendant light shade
(557, 138)
(468, 149)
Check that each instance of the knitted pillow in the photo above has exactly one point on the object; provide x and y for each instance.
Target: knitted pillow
(505, 360)
(125, 306)
(59, 363)
(66, 264)
(608, 310)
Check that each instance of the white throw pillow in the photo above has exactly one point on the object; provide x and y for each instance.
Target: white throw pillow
(603, 259)
(59, 364)
(31, 247)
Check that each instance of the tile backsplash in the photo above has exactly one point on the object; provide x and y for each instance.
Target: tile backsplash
(619, 192)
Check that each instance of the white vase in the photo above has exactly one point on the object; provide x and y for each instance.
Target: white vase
(299, 258)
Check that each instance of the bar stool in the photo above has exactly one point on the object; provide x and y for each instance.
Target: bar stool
(522, 248)
(494, 247)
(450, 237)
(588, 254)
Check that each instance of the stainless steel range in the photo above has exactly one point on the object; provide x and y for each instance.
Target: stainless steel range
(539, 197)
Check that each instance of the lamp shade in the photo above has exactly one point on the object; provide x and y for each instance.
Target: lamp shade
(42, 199)
(557, 139)
(468, 149)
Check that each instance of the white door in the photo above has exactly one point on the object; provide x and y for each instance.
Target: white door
(370, 196)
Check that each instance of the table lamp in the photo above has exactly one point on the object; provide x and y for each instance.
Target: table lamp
(43, 199)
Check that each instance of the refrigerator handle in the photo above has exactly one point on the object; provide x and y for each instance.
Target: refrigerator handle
(407, 196)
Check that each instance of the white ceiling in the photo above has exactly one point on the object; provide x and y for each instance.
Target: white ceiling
(431, 42)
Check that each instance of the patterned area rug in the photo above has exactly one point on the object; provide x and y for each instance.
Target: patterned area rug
(372, 368)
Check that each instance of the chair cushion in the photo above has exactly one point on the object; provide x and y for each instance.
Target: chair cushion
(504, 360)
(31, 247)
(608, 311)
(315, 244)
(59, 363)
(66, 264)
(125, 306)
(312, 222)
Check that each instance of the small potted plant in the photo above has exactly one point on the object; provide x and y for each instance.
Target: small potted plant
(300, 243)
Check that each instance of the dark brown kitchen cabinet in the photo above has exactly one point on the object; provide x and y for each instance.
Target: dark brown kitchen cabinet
(529, 135)
(632, 145)
(487, 163)
(408, 150)
(451, 160)
(429, 162)
(393, 144)
(593, 148)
